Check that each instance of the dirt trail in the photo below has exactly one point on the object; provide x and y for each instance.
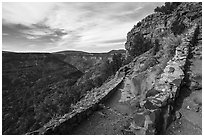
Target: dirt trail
(109, 120)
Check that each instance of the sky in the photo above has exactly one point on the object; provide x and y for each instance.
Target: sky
(83, 26)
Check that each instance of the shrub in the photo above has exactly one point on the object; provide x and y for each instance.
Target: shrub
(127, 60)
(110, 68)
(156, 47)
(167, 8)
(171, 43)
(139, 45)
(178, 27)
(117, 62)
(194, 40)
(139, 24)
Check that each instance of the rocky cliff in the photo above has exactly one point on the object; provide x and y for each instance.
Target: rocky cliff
(159, 25)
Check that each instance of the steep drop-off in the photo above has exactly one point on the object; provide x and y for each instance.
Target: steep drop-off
(30, 83)
(38, 87)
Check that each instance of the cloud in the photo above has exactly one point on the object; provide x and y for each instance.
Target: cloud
(5, 34)
(39, 32)
(31, 37)
(25, 13)
(86, 26)
(115, 41)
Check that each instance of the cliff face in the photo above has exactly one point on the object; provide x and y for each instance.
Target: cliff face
(158, 25)
(156, 77)
(154, 89)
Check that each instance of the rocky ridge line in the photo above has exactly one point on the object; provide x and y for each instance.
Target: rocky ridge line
(158, 104)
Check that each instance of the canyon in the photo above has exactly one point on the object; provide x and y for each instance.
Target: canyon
(156, 90)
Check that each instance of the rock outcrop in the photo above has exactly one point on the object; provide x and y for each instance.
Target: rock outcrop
(157, 25)
(157, 106)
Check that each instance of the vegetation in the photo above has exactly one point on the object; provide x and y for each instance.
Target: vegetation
(35, 89)
(167, 8)
(178, 26)
(139, 45)
(194, 39)
(139, 24)
(39, 87)
(110, 67)
(156, 47)
(98, 74)
(171, 42)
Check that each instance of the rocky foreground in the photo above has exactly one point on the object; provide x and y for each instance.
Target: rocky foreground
(158, 92)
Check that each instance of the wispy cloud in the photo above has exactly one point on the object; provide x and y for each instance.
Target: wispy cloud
(115, 41)
(25, 13)
(5, 34)
(94, 27)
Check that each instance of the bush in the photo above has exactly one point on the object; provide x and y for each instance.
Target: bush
(139, 45)
(156, 47)
(167, 8)
(171, 43)
(178, 27)
(194, 40)
(110, 68)
(127, 60)
(139, 24)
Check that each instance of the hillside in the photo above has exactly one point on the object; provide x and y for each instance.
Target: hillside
(40, 86)
(157, 92)
(84, 60)
(29, 79)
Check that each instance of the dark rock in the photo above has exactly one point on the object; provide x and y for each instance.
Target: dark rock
(176, 82)
(152, 92)
(150, 106)
(195, 85)
(178, 115)
(171, 69)
(155, 115)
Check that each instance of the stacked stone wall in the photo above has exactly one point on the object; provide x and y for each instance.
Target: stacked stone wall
(158, 105)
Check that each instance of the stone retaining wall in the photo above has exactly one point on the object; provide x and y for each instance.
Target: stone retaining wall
(158, 105)
(82, 109)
